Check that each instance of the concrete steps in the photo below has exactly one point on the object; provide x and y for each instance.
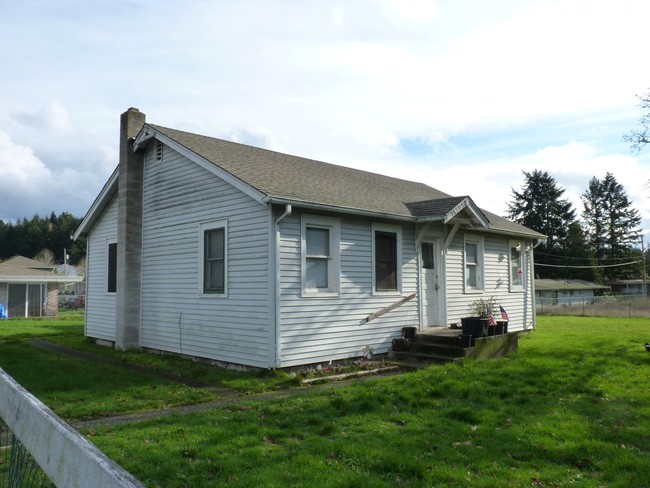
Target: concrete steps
(442, 345)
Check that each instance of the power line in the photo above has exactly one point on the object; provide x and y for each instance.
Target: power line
(588, 267)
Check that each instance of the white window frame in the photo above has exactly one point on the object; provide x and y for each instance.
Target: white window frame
(207, 226)
(333, 225)
(514, 245)
(110, 242)
(392, 229)
(480, 265)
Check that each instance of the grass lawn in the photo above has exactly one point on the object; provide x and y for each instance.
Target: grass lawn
(570, 409)
(78, 390)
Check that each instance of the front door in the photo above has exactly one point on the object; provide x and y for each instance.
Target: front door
(430, 284)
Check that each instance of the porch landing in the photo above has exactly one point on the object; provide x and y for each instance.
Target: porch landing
(443, 345)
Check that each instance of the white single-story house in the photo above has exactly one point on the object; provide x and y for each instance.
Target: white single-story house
(629, 287)
(247, 256)
(553, 292)
(29, 288)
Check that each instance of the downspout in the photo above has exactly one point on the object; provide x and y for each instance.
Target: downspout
(278, 284)
(531, 268)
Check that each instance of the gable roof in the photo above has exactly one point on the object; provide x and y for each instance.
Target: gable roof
(273, 177)
(20, 269)
(557, 284)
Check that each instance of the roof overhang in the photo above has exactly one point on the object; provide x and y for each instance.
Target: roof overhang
(465, 211)
(55, 278)
(105, 197)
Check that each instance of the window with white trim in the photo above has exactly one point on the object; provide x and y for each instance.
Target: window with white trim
(213, 257)
(386, 258)
(320, 255)
(516, 266)
(473, 260)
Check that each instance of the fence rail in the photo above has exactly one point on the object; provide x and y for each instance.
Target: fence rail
(66, 457)
(604, 306)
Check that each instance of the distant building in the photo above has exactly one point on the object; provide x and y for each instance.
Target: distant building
(566, 292)
(627, 287)
(29, 288)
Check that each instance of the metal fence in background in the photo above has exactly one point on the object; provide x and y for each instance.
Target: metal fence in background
(602, 306)
(17, 466)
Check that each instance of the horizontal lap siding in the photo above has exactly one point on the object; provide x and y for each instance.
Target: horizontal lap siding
(178, 196)
(496, 283)
(100, 305)
(323, 329)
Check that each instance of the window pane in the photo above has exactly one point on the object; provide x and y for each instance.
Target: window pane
(214, 243)
(318, 242)
(112, 268)
(470, 276)
(516, 271)
(316, 273)
(214, 261)
(385, 245)
(386, 276)
(471, 253)
(214, 275)
(427, 255)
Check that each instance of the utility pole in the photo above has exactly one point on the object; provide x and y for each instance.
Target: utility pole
(645, 285)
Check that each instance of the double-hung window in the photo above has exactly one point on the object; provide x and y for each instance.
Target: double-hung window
(387, 258)
(473, 257)
(320, 246)
(516, 266)
(213, 254)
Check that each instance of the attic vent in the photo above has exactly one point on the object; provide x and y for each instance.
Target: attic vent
(159, 151)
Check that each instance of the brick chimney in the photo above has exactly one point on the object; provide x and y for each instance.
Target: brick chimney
(129, 233)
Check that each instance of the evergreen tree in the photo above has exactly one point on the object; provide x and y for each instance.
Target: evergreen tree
(540, 206)
(611, 226)
(29, 237)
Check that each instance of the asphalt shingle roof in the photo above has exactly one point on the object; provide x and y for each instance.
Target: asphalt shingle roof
(283, 176)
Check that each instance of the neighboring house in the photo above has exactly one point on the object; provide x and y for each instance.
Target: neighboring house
(29, 288)
(550, 292)
(628, 287)
(246, 256)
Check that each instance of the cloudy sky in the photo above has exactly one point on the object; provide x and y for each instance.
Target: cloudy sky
(463, 95)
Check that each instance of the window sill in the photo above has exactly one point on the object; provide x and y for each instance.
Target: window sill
(320, 294)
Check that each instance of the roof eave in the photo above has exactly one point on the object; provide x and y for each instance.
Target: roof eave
(97, 208)
(337, 209)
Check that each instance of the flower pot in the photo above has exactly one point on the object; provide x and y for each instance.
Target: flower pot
(409, 332)
(501, 327)
(475, 326)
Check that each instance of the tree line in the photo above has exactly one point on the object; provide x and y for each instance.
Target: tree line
(42, 238)
(603, 245)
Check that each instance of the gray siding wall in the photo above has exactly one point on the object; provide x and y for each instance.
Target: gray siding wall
(316, 329)
(100, 305)
(179, 195)
(518, 304)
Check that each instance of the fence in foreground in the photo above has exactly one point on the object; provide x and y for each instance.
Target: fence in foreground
(32, 435)
(603, 306)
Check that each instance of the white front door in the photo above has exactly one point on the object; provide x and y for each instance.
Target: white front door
(430, 284)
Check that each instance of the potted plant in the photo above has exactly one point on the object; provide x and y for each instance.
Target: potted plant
(478, 324)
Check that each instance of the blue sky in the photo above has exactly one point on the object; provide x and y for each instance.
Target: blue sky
(463, 95)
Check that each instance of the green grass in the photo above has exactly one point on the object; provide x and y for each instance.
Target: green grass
(19, 329)
(79, 389)
(570, 409)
